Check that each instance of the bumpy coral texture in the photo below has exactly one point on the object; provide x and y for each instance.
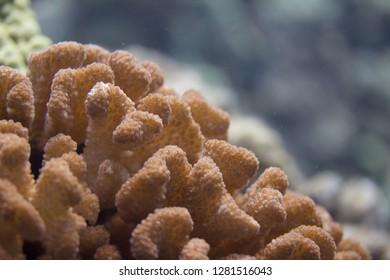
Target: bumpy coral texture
(100, 160)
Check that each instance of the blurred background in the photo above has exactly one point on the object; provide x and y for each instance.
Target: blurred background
(316, 73)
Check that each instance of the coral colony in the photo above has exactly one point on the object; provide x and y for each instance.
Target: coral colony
(100, 160)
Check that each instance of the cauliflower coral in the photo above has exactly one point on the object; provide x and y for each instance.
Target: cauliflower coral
(100, 160)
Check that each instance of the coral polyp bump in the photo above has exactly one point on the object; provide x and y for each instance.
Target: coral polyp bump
(100, 160)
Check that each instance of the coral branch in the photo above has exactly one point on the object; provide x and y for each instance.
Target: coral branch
(160, 182)
(18, 220)
(216, 215)
(16, 97)
(57, 191)
(162, 234)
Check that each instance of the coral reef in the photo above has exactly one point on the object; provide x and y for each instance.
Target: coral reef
(354, 202)
(109, 163)
(20, 33)
(336, 98)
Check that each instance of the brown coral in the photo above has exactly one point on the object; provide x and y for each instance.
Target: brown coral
(216, 215)
(180, 130)
(14, 155)
(18, 220)
(95, 53)
(62, 146)
(92, 238)
(16, 97)
(264, 201)
(195, 249)
(69, 89)
(162, 234)
(237, 165)
(107, 252)
(56, 191)
(323, 240)
(126, 168)
(351, 249)
(120, 233)
(114, 122)
(266, 207)
(114, 127)
(291, 246)
(213, 122)
(301, 210)
(42, 66)
(161, 182)
(272, 177)
(303, 242)
(130, 75)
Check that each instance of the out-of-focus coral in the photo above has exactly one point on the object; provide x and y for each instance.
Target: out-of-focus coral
(20, 33)
(374, 239)
(354, 200)
(347, 248)
(125, 168)
(358, 203)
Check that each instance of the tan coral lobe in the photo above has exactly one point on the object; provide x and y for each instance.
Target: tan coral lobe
(162, 234)
(350, 245)
(42, 66)
(159, 183)
(213, 122)
(18, 220)
(14, 157)
(16, 97)
(272, 177)
(10, 126)
(107, 252)
(69, 89)
(156, 75)
(195, 249)
(134, 79)
(266, 207)
(236, 164)
(291, 246)
(57, 190)
(216, 215)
